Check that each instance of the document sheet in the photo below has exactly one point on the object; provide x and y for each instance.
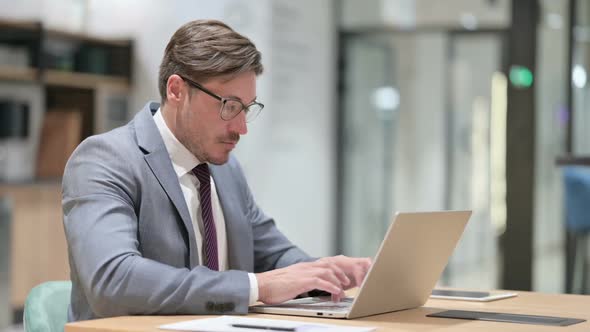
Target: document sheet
(247, 324)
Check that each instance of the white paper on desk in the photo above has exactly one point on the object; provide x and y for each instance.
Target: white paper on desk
(223, 324)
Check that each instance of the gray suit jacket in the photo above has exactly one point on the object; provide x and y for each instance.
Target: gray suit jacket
(130, 238)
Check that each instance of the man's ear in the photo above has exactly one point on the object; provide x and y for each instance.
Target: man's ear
(175, 89)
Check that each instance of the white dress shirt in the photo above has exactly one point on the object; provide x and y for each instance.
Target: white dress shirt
(183, 162)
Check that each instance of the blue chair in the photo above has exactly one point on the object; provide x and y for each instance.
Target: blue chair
(577, 210)
(46, 307)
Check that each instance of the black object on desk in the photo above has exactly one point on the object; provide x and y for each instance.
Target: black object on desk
(260, 327)
(507, 318)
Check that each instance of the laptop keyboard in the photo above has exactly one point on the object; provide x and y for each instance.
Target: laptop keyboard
(318, 304)
(321, 307)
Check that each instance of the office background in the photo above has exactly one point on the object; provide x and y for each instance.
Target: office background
(372, 107)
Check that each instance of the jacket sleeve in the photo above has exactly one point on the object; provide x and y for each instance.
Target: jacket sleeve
(101, 225)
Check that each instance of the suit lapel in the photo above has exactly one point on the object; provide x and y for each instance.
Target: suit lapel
(240, 254)
(156, 156)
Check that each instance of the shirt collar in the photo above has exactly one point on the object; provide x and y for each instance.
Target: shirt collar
(182, 159)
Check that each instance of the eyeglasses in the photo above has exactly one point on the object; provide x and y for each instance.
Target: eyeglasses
(230, 107)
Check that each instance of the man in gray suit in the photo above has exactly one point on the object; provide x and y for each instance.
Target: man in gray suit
(158, 216)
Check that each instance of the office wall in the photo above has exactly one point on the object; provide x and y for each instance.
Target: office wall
(291, 154)
(288, 153)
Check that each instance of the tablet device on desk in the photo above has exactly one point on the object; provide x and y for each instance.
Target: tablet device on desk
(507, 317)
(464, 295)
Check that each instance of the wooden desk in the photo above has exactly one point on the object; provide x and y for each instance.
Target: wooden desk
(573, 306)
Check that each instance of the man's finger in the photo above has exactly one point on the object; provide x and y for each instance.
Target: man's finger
(340, 274)
(321, 284)
(337, 297)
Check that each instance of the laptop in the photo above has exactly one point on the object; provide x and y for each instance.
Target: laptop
(407, 266)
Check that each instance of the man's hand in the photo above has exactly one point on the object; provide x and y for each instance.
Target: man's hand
(330, 274)
(354, 268)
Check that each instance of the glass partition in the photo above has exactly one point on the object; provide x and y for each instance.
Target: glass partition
(416, 136)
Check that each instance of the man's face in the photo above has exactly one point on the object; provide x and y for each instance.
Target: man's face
(199, 125)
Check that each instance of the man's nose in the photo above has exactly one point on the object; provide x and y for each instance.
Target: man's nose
(238, 124)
